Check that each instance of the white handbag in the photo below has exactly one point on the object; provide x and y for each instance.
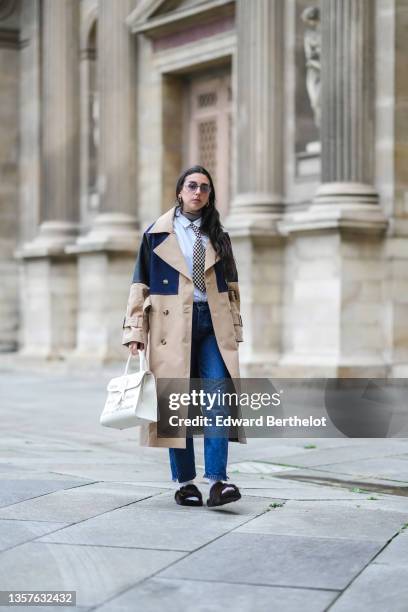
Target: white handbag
(132, 398)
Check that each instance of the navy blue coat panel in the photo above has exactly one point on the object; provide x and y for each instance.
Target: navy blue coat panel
(151, 270)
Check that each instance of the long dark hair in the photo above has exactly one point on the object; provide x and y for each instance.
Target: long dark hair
(211, 224)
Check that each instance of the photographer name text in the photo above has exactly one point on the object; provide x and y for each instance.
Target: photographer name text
(261, 421)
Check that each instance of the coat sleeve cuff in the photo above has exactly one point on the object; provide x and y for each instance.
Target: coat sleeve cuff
(132, 334)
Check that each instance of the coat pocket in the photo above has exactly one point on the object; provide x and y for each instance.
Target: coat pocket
(237, 321)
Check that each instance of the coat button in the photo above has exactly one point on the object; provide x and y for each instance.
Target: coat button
(163, 341)
(165, 281)
(165, 312)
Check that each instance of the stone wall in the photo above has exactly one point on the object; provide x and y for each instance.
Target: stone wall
(9, 187)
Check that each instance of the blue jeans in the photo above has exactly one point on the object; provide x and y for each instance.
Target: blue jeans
(207, 364)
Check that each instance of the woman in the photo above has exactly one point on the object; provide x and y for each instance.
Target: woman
(184, 307)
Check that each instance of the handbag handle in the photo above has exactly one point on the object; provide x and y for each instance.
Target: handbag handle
(143, 365)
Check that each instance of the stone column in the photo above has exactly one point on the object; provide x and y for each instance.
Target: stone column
(60, 143)
(259, 114)
(107, 253)
(335, 314)
(9, 172)
(48, 289)
(259, 178)
(116, 69)
(347, 128)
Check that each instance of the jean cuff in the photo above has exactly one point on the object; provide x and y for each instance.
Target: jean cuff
(216, 477)
(193, 475)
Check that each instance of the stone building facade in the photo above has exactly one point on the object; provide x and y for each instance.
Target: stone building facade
(299, 109)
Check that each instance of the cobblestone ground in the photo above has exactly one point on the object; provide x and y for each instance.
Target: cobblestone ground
(84, 508)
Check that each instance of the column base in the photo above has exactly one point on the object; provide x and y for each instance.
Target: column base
(348, 207)
(52, 238)
(48, 302)
(8, 299)
(335, 309)
(255, 213)
(258, 250)
(111, 231)
(369, 220)
(105, 267)
(346, 193)
(48, 292)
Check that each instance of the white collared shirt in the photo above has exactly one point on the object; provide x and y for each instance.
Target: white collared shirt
(186, 238)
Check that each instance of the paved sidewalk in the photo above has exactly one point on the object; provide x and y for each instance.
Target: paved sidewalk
(84, 508)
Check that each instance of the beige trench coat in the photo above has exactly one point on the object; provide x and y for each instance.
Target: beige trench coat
(159, 313)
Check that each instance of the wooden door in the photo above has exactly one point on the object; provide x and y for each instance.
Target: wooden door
(210, 129)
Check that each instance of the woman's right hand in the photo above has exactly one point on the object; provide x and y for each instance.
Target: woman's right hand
(136, 346)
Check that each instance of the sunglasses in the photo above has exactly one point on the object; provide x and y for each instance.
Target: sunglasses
(192, 186)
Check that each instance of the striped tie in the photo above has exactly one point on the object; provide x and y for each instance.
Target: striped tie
(198, 259)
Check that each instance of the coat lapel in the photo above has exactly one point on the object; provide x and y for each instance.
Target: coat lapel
(169, 249)
(211, 257)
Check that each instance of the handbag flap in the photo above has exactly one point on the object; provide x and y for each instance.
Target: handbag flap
(130, 381)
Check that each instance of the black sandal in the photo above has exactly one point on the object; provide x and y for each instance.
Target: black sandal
(219, 496)
(184, 494)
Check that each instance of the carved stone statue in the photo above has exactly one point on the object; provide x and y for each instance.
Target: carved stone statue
(312, 47)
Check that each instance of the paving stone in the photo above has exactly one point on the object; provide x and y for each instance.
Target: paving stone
(396, 553)
(13, 532)
(379, 588)
(160, 485)
(290, 488)
(9, 471)
(17, 472)
(307, 492)
(327, 519)
(77, 504)
(255, 467)
(337, 477)
(145, 527)
(49, 608)
(42, 458)
(329, 456)
(247, 507)
(96, 573)
(243, 480)
(259, 449)
(72, 459)
(279, 560)
(13, 491)
(171, 595)
(392, 468)
(379, 501)
(50, 461)
(116, 473)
